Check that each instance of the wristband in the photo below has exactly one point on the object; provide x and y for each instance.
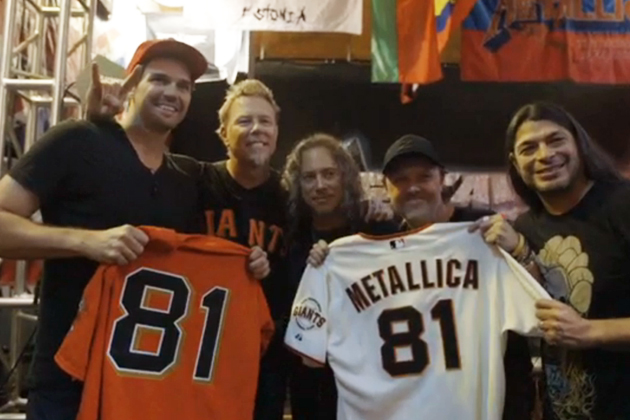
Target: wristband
(520, 247)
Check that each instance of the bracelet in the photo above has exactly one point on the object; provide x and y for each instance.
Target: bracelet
(520, 247)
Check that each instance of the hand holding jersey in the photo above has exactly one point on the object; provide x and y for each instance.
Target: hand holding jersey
(496, 230)
(318, 253)
(186, 316)
(120, 245)
(410, 318)
(258, 263)
(124, 244)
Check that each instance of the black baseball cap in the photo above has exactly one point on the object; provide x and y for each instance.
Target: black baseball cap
(408, 145)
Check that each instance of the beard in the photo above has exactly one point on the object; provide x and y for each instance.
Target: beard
(253, 160)
(259, 160)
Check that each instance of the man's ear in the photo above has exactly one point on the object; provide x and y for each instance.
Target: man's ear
(222, 134)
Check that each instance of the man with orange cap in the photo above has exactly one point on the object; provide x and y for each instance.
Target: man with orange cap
(98, 181)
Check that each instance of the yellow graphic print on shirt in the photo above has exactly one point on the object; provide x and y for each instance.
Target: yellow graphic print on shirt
(568, 279)
(566, 272)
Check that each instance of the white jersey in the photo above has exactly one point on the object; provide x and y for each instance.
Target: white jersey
(414, 326)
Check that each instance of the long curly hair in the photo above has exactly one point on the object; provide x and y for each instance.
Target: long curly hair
(597, 165)
(299, 214)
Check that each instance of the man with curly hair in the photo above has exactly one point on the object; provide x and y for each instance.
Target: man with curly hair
(326, 202)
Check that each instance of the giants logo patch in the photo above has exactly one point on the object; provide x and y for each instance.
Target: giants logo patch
(308, 314)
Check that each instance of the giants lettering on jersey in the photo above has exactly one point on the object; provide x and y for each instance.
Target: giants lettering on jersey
(413, 276)
(268, 238)
(308, 314)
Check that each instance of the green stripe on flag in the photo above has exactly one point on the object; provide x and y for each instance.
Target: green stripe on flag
(384, 41)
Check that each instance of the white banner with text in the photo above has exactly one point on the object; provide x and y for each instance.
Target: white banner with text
(278, 15)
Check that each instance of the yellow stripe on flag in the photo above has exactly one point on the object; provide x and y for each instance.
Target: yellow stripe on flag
(440, 5)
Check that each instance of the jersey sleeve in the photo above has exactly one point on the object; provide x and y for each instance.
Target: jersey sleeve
(73, 356)
(50, 160)
(307, 332)
(519, 292)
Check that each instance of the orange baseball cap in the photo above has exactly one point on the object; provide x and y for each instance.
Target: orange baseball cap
(170, 48)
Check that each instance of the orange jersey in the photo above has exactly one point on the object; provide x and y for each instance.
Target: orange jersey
(177, 334)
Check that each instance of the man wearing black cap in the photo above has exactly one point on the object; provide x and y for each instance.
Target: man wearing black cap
(414, 178)
(98, 181)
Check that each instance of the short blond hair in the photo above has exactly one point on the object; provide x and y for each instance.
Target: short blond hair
(247, 87)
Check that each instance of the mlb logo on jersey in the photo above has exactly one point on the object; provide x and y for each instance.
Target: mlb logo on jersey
(397, 243)
(308, 314)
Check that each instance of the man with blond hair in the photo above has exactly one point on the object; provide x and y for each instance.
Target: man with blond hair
(245, 203)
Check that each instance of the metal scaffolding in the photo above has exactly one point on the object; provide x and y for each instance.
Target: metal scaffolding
(27, 78)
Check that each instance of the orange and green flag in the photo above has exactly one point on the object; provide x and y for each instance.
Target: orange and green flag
(408, 37)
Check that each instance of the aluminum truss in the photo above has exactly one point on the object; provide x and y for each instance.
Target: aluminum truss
(25, 78)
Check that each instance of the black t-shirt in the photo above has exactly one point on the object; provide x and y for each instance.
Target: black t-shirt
(250, 217)
(89, 176)
(585, 258)
(467, 214)
(302, 244)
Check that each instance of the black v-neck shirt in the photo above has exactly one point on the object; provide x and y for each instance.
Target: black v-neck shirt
(89, 176)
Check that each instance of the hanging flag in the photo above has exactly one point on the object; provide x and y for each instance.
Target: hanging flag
(278, 15)
(450, 14)
(404, 42)
(408, 37)
(533, 40)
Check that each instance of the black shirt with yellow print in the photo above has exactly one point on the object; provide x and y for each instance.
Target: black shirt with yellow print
(585, 259)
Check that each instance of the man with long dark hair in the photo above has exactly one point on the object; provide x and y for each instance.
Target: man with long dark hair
(577, 230)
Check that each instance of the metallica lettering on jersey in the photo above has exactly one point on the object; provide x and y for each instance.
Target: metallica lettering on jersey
(418, 275)
(224, 224)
